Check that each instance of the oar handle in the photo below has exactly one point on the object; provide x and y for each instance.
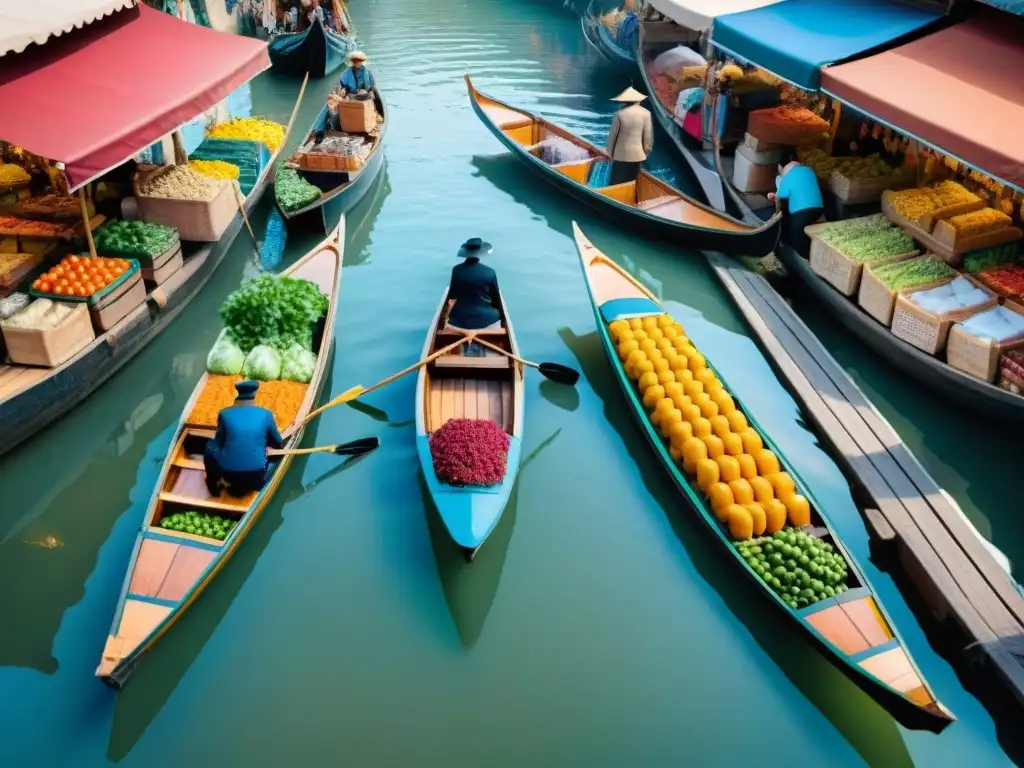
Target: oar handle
(300, 451)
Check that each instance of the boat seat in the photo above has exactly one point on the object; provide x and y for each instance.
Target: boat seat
(495, 362)
(654, 202)
(223, 502)
(452, 331)
(186, 462)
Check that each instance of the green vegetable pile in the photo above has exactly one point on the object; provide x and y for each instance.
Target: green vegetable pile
(878, 245)
(132, 239)
(801, 569)
(1007, 253)
(900, 275)
(293, 191)
(199, 524)
(274, 311)
(839, 232)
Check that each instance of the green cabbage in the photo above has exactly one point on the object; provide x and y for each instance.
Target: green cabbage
(225, 356)
(263, 363)
(297, 364)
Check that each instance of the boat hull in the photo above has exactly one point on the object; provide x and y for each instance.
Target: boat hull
(600, 39)
(315, 50)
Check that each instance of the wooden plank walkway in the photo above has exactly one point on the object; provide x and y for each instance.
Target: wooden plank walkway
(957, 576)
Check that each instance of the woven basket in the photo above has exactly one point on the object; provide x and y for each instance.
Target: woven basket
(839, 270)
(979, 357)
(875, 298)
(926, 331)
(201, 221)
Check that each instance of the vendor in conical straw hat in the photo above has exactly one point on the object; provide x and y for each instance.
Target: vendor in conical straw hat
(357, 76)
(631, 137)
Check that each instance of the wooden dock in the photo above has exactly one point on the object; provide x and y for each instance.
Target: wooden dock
(956, 575)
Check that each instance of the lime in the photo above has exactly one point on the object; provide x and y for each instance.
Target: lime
(801, 602)
(755, 549)
(776, 584)
(829, 592)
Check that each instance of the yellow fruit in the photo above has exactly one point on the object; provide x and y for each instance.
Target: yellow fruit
(742, 492)
(775, 516)
(682, 402)
(680, 342)
(647, 381)
(679, 433)
(720, 426)
(730, 468)
(720, 496)
(648, 346)
(660, 365)
(701, 427)
(693, 451)
(762, 489)
(655, 334)
(732, 442)
(725, 403)
(707, 408)
(663, 404)
(635, 323)
(640, 336)
(782, 484)
(748, 467)
(673, 388)
(684, 376)
(707, 474)
(670, 332)
(693, 388)
(690, 413)
(654, 355)
(626, 347)
(689, 350)
(714, 444)
(706, 377)
(713, 388)
(675, 453)
(751, 441)
(767, 462)
(741, 525)
(667, 420)
(798, 509)
(737, 421)
(617, 327)
(758, 516)
(644, 366)
(636, 356)
(666, 377)
(665, 321)
(654, 394)
(665, 346)
(650, 322)
(697, 362)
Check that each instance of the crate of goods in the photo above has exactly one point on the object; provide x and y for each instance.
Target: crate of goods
(983, 228)
(15, 267)
(357, 115)
(294, 192)
(879, 285)
(114, 306)
(215, 156)
(1007, 280)
(47, 333)
(924, 316)
(994, 256)
(164, 265)
(148, 243)
(760, 157)
(864, 180)
(54, 207)
(1011, 372)
(787, 125)
(111, 288)
(922, 207)
(10, 305)
(840, 250)
(976, 344)
(198, 207)
(259, 129)
(751, 177)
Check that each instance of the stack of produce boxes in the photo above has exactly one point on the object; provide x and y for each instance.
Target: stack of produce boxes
(109, 287)
(880, 285)
(155, 247)
(840, 250)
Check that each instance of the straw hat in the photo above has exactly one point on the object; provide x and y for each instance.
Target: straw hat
(630, 96)
(356, 56)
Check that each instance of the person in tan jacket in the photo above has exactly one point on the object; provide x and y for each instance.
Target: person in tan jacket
(631, 137)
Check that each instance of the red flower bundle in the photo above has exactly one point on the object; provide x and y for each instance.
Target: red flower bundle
(470, 452)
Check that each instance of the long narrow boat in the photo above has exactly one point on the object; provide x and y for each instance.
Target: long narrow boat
(339, 190)
(700, 160)
(169, 569)
(32, 397)
(460, 386)
(601, 39)
(975, 394)
(316, 50)
(649, 202)
(851, 628)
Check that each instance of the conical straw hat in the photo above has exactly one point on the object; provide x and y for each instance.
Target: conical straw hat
(630, 96)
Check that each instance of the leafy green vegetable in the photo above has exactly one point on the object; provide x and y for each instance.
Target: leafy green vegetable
(294, 192)
(225, 357)
(263, 363)
(840, 232)
(297, 364)
(272, 310)
(900, 275)
(131, 239)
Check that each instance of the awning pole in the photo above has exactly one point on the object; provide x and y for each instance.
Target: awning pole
(180, 155)
(85, 221)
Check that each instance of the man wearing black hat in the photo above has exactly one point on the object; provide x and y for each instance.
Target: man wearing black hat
(238, 453)
(474, 302)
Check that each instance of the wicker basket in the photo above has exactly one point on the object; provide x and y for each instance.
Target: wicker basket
(979, 357)
(839, 270)
(113, 307)
(51, 347)
(201, 221)
(875, 298)
(357, 116)
(926, 331)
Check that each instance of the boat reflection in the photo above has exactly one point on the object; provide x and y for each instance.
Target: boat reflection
(865, 725)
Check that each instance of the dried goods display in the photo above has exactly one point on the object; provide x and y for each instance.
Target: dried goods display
(998, 324)
(282, 398)
(901, 275)
(40, 315)
(251, 129)
(958, 294)
(180, 182)
(215, 169)
(1007, 280)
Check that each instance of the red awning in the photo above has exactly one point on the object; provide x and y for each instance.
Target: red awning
(94, 97)
(960, 90)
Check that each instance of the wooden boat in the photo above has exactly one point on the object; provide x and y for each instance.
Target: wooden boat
(340, 190)
(317, 50)
(32, 397)
(852, 628)
(976, 394)
(168, 569)
(657, 207)
(656, 37)
(459, 386)
(601, 39)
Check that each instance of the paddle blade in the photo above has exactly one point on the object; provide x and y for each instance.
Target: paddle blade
(357, 447)
(563, 374)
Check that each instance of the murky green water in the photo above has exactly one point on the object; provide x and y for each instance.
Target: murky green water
(598, 627)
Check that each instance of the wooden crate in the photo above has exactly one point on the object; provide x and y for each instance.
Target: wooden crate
(50, 348)
(164, 266)
(979, 357)
(857, 190)
(929, 332)
(839, 270)
(201, 221)
(875, 298)
(927, 223)
(946, 234)
(113, 307)
(357, 116)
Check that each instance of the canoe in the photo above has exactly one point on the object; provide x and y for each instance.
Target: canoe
(601, 39)
(169, 569)
(955, 385)
(339, 190)
(316, 50)
(658, 208)
(701, 161)
(457, 386)
(32, 397)
(851, 628)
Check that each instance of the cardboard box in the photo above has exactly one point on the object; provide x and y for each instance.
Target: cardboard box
(49, 348)
(760, 157)
(750, 177)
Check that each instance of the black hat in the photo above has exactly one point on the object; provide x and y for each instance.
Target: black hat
(247, 389)
(474, 248)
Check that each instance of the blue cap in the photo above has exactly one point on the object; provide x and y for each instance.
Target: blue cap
(247, 389)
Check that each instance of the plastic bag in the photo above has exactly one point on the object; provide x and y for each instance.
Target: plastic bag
(263, 363)
(225, 356)
(556, 150)
(676, 58)
(13, 304)
(297, 364)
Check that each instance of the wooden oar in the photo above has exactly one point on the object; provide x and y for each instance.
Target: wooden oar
(562, 374)
(354, 448)
(359, 391)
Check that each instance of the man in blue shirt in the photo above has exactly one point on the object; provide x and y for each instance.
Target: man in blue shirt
(357, 76)
(237, 455)
(474, 302)
(797, 187)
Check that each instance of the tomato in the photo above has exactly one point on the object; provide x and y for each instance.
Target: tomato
(90, 289)
(45, 286)
(107, 277)
(57, 271)
(118, 271)
(93, 271)
(73, 259)
(35, 285)
(62, 282)
(59, 290)
(81, 292)
(81, 269)
(123, 263)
